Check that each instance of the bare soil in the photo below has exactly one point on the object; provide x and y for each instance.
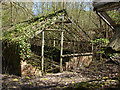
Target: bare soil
(104, 73)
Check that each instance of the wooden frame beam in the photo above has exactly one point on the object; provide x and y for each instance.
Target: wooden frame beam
(104, 16)
(55, 30)
(105, 6)
(76, 55)
(66, 40)
(108, 18)
(61, 46)
(42, 53)
(40, 31)
(61, 52)
(64, 22)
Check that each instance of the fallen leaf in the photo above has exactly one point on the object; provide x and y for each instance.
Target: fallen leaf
(27, 77)
(15, 79)
(73, 82)
(44, 79)
(30, 83)
(105, 77)
(14, 87)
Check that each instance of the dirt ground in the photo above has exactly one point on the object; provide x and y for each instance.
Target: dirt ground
(104, 73)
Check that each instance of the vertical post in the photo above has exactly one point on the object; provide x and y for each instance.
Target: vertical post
(63, 4)
(42, 54)
(107, 30)
(54, 43)
(61, 52)
(1, 47)
(92, 51)
(92, 47)
(61, 47)
(11, 14)
(54, 40)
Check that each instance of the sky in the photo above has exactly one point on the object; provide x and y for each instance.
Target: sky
(36, 12)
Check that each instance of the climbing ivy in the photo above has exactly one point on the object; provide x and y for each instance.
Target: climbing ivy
(101, 43)
(102, 40)
(21, 33)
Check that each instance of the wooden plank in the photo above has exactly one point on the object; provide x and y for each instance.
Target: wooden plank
(64, 22)
(65, 40)
(115, 41)
(105, 19)
(40, 31)
(55, 30)
(37, 32)
(54, 42)
(92, 47)
(101, 5)
(61, 46)
(76, 55)
(56, 20)
(1, 57)
(61, 52)
(42, 53)
(108, 18)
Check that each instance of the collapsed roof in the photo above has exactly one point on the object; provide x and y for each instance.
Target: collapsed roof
(101, 7)
(34, 26)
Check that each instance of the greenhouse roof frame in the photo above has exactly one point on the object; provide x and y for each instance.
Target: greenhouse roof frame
(36, 24)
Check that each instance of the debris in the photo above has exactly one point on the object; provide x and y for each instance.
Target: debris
(15, 80)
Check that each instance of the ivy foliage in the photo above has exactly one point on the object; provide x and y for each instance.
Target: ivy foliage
(101, 41)
(104, 40)
(115, 15)
(20, 33)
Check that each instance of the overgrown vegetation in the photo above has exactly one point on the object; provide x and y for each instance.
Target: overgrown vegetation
(20, 37)
(20, 34)
(100, 45)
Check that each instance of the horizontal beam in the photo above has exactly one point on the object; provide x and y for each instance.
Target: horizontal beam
(105, 6)
(75, 55)
(57, 30)
(65, 40)
(64, 22)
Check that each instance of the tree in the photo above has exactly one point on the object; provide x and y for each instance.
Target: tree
(14, 12)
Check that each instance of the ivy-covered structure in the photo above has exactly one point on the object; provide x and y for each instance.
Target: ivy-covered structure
(17, 39)
(102, 9)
